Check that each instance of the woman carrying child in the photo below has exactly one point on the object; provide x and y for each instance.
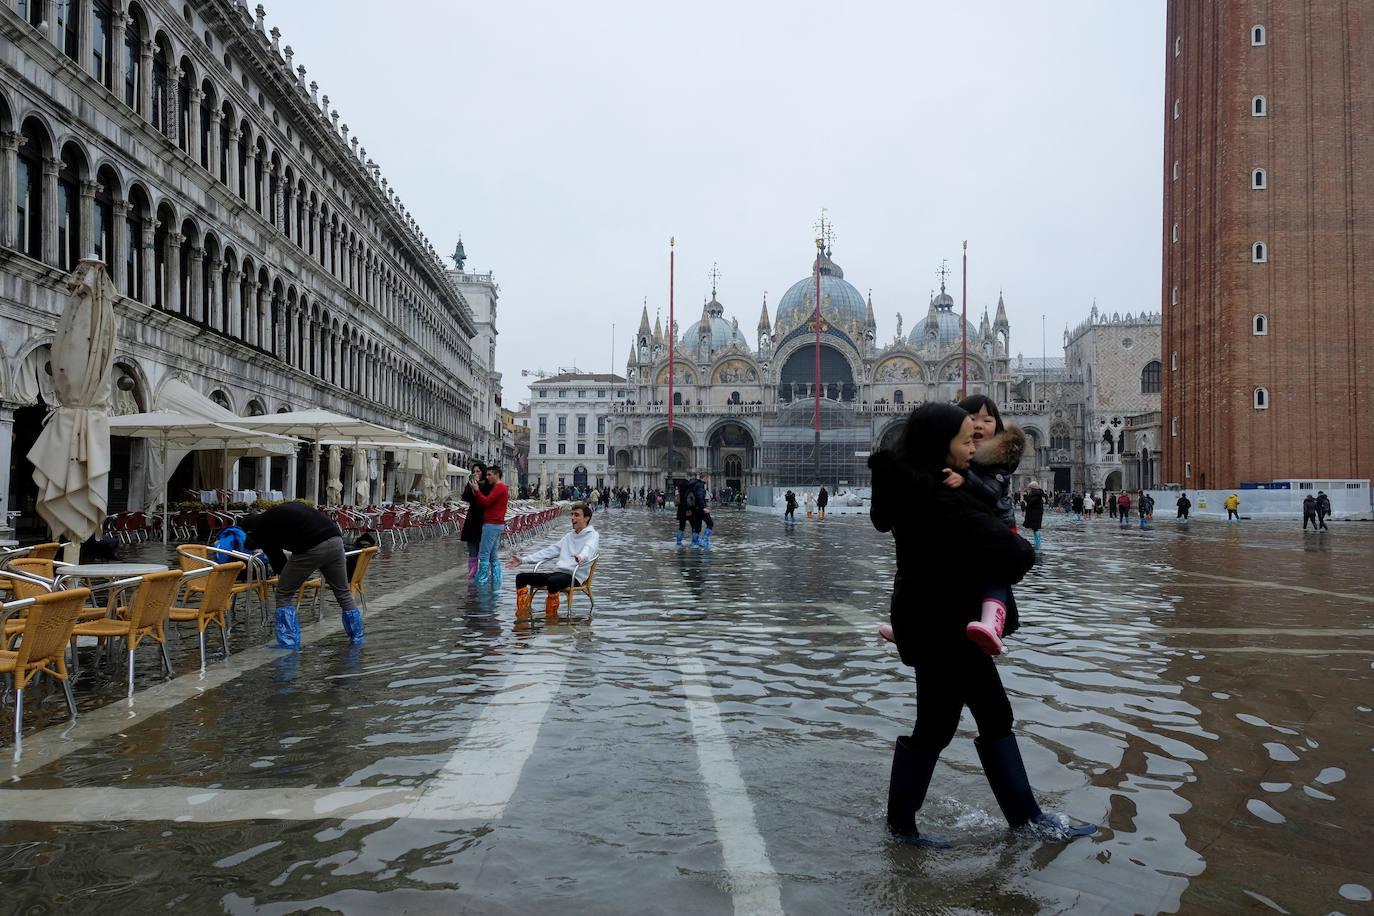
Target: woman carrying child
(951, 548)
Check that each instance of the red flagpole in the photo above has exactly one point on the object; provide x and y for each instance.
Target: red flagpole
(817, 321)
(672, 335)
(963, 368)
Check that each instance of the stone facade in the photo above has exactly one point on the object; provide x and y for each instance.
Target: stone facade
(481, 291)
(260, 256)
(1268, 337)
(568, 428)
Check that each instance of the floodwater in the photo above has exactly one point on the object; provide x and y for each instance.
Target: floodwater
(717, 740)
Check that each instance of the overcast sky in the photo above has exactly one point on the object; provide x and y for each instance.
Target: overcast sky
(567, 142)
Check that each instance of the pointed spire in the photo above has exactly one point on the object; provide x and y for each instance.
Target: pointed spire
(644, 318)
(634, 354)
(1001, 311)
(869, 320)
(984, 328)
(658, 330)
(763, 315)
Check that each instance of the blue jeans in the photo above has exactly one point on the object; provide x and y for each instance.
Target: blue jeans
(491, 536)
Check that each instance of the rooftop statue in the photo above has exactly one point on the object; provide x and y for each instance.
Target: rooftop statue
(459, 256)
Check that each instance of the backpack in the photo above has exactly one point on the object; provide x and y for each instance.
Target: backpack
(689, 496)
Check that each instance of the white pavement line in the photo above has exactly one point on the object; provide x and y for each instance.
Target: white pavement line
(53, 743)
(753, 883)
(476, 783)
(1260, 583)
(481, 776)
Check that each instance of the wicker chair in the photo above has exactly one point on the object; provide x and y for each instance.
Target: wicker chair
(145, 616)
(214, 603)
(355, 581)
(43, 643)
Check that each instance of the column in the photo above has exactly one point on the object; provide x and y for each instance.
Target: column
(196, 286)
(335, 349)
(174, 124)
(6, 435)
(216, 117)
(172, 288)
(264, 481)
(314, 237)
(145, 80)
(149, 265)
(193, 124)
(50, 169)
(263, 303)
(234, 305)
(274, 191)
(118, 21)
(84, 54)
(86, 216)
(214, 308)
(9, 177)
(231, 174)
(119, 244)
(288, 486)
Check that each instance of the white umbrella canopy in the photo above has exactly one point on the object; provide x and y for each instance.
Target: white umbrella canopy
(433, 479)
(334, 489)
(71, 459)
(325, 425)
(186, 432)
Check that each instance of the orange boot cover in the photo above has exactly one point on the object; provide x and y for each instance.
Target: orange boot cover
(523, 597)
(551, 604)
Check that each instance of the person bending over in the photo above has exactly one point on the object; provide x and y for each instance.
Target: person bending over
(315, 542)
(575, 552)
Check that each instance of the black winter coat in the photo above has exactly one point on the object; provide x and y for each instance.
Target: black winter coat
(950, 547)
(472, 522)
(1035, 510)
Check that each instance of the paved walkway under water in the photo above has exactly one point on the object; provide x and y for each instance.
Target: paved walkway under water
(717, 740)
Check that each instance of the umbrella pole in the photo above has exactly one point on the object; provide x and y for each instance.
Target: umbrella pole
(315, 474)
(165, 475)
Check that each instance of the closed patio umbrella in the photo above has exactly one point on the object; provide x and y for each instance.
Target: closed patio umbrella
(361, 488)
(325, 425)
(71, 458)
(334, 488)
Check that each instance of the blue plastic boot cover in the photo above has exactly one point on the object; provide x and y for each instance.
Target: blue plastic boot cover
(706, 538)
(696, 538)
(1037, 540)
(679, 536)
(496, 574)
(483, 572)
(353, 625)
(288, 629)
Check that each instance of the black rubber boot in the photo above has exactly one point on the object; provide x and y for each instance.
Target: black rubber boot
(906, 792)
(1007, 775)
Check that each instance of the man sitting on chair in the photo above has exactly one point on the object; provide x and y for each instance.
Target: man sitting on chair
(575, 552)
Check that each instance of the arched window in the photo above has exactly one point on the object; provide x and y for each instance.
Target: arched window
(1150, 377)
(1260, 325)
(1261, 398)
(1178, 45)
(1175, 238)
(133, 61)
(677, 398)
(1060, 439)
(1176, 109)
(899, 397)
(1175, 170)
(102, 43)
(28, 197)
(1259, 254)
(1258, 107)
(161, 92)
(1257, 36)
(1257, 180)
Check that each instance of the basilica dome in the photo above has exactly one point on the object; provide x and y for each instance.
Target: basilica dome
(722, 331)
(797, 303)
(944, 331)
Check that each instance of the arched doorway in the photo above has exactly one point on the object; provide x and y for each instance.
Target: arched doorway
(580, 477)
(730, 451)
(670, 458)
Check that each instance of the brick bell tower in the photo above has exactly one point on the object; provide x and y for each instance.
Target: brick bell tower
(1268, 235)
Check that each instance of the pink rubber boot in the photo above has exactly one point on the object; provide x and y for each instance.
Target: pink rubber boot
(987, 632)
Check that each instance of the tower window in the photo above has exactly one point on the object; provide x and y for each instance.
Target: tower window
(1260, 325)
(1175, 232)
(1258, 180)
(1173, 296)
(1258, 107)
(1173, 362)
(1187, 469)
(1261, 399)
(1178, 45)
(1257, 36)
(1173, 426)
(1175, 109)
(1175, 170)
(1258, 253)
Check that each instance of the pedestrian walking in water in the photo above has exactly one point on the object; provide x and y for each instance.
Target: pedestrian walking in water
(1309, 511)
(810, 503)
(1035, 511)
(1184, 504)
(1147, 509)
(1123, 510)
(1088, 506)
(789, 511)
(471, 533)
(950, 547)
(1323, 508)
(1077, 504)
(1111, 505)
(822, 500)
(1232, 504)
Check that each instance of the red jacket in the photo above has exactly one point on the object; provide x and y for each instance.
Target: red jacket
(493, 504)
